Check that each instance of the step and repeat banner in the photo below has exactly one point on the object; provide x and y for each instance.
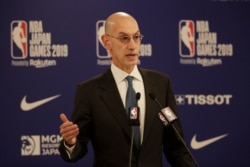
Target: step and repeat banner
(47, 47)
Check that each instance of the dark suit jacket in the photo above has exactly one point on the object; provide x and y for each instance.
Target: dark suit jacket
(101, 117)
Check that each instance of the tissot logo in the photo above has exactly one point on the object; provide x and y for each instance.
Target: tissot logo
(201, 99)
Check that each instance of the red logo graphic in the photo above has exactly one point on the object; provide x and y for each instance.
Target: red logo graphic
(19, 39)
(186, 38)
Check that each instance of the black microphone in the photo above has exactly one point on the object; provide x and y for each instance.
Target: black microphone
(152, 96)
(134, 112)
(137, 97)
(167, 116)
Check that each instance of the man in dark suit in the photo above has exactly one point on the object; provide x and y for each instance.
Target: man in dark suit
(100, 116)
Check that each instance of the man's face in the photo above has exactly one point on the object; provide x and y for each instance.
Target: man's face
(125, 43)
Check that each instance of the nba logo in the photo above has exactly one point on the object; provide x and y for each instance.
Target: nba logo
(169, 114)
(19, 39)
(186, 38)
(134, 113)
(101, 52)
(163, 119)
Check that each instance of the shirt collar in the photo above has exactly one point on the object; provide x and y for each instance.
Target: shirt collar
(120, 75)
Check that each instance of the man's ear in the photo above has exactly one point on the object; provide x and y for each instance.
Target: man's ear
(106, 42)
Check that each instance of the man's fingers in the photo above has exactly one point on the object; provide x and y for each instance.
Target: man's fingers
(63, 118)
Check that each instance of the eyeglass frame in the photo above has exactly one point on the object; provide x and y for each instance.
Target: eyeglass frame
(126, 41)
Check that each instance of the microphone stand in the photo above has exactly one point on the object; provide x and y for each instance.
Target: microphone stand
(138, 95)
(131, 148)
(183, 142)
(176, 131)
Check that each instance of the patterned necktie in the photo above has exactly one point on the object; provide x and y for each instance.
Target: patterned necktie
(131, 102)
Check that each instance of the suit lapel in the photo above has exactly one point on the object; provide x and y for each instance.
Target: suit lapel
(111, 97)
(150, 105)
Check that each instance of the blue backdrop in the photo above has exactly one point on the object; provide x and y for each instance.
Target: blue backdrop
(47, 47)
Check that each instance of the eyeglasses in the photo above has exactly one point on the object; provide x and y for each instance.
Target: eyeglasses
(126, 39)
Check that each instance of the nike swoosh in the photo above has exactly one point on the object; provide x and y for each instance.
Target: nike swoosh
(27, 106)
(200, 144)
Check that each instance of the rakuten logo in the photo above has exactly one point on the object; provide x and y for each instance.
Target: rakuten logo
(194, 99)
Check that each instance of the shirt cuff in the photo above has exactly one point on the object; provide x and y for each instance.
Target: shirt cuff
(69, 149)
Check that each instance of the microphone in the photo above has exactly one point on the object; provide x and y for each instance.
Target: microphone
(134, 114)
(137, 97)
(167, 116)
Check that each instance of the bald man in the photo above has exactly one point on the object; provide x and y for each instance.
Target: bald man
(100, 116)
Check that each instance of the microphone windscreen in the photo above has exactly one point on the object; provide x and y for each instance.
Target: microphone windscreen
(138, 96)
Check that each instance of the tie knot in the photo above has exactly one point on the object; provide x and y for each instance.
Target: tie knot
(129, 79)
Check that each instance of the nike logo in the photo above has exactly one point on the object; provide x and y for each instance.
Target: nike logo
(27, 106)
(200, 144)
